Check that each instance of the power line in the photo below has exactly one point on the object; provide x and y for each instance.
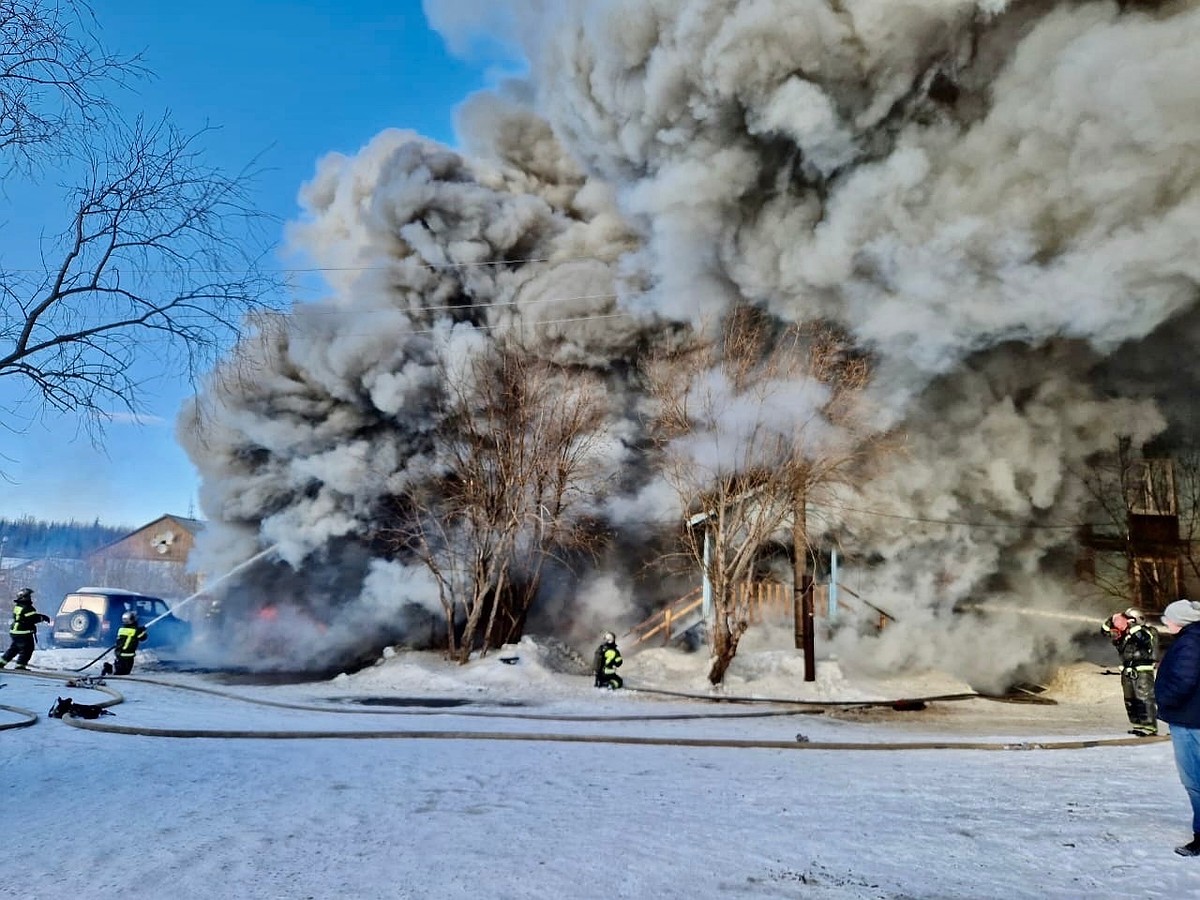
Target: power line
(388, 267)
(588, 318)
(308, 311)
(816, 508)
(1024, 526)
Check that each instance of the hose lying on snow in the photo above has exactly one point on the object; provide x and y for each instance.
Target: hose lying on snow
(568, 738)
(598, 739)
(30, 717)
(716, 743)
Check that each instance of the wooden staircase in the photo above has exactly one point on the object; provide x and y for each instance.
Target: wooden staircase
(673, 620)
(761, 600)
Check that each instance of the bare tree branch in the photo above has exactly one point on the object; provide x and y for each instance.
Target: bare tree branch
(157, 260)
(519, 473)
(746, 425)
(54, 76)
(148, 265)
(1140, 523)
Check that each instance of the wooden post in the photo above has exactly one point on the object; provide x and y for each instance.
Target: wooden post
(799, 555)
(802, 598)
(667, 625)
(810, 650)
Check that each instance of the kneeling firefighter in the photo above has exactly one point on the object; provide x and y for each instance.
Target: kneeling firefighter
(608, 658)
(129, 635)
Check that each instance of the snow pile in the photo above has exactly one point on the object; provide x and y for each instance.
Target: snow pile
(530, 667)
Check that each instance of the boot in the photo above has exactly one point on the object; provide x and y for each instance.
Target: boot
(1191, 848)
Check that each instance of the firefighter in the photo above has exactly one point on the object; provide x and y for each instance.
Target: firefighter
(1137, 643)
(24, 629)
(607, 659)
(129, 635)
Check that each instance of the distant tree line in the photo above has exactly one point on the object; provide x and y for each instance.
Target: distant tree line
(29, 538)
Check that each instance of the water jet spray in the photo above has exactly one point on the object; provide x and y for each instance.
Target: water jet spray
(1042, 613)
(206, 589)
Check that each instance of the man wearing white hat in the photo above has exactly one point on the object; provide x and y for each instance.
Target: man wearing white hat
(1177, 690)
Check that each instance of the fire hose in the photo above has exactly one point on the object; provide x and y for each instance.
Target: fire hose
(716, 743)
(600, 739)
(30, 717)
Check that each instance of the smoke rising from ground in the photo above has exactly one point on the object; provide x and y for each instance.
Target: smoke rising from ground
(999, 202)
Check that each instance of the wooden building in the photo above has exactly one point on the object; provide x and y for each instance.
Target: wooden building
(152, 559)
(1141, 556)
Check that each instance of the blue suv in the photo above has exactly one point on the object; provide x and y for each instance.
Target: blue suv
(90, 617)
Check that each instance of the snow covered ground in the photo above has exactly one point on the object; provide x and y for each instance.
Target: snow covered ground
(90, 814)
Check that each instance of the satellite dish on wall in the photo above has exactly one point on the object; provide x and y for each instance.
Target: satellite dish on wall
(162, 542)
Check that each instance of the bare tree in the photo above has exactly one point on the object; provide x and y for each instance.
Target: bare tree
(54, 76)
(751, 427)
(518, 456)
(157, 257)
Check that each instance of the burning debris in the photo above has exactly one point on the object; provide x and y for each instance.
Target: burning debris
(997, 202)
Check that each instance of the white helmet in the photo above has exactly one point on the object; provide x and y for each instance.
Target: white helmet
(1134, 615)
(128, 617)
(609, 637)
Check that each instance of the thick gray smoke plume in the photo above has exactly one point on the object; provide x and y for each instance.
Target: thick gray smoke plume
(998, 201)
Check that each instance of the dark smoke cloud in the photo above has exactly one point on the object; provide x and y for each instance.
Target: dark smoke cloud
(999, 201)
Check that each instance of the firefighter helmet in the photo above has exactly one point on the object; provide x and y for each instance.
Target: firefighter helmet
(1116, 623)
(609, 637)
(25, 594)
(129, 617)
(1134, 615)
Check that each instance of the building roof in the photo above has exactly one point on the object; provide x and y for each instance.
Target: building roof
(192, 526)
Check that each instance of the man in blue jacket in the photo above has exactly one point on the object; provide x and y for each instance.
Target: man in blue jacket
(1177, 690)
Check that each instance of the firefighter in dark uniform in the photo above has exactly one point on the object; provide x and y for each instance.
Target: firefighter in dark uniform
(24, 630)
(607, 659)
(1137, 643)
(129, 635)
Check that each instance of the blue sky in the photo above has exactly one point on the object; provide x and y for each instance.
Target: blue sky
(282, 81)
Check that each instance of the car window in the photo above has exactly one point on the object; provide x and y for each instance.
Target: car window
(90, 602)
(147, 608)
(69, 605)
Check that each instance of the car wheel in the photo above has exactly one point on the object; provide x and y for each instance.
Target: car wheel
(81, 623)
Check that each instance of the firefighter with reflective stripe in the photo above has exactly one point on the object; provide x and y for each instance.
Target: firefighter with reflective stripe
(606, 661)
(129, 635)
(24, 630)
(1137, 643)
